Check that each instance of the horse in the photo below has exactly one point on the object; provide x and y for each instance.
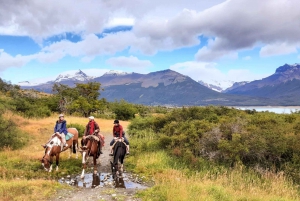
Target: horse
(119, 155)
(90, 148)
(54, 148)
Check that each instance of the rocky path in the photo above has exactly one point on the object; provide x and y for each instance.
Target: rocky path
(101, 186)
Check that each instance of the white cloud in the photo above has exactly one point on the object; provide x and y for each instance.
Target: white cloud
(132, 62)
(232, 26)
(209, 73)
(7, 61)
(277, 49)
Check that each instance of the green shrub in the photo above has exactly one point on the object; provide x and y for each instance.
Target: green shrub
(79, 127)
(10, 136)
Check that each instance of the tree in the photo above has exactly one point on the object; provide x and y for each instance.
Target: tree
(66, 96)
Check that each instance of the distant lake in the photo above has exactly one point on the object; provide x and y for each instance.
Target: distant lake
(276, 109)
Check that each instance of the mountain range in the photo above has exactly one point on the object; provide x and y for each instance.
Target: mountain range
(168, 87)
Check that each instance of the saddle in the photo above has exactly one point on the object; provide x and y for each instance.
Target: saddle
(94, 137)
(115, 142)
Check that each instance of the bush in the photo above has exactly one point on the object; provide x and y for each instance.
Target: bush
(124, 110)
(79, 127)
(10, 136)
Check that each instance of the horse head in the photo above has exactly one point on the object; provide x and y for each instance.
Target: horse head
(46, 160)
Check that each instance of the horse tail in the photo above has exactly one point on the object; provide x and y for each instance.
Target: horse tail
(74, 144)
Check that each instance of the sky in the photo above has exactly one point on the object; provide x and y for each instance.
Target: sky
(215, 40)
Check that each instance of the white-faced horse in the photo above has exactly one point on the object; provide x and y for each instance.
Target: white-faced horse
(55, 146)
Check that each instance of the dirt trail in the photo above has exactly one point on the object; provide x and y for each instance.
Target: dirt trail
(101, 192)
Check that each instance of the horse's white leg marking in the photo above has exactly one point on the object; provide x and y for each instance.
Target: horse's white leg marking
(83, 157)
(76, 150)
(121, 168)
(56, 168)
(70, 153)
(50, 170)
(82, 174)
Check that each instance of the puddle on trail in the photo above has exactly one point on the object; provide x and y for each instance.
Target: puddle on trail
(104, 180)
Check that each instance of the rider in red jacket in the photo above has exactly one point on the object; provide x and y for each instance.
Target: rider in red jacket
(118, 132)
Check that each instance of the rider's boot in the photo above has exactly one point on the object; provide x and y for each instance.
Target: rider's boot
(110, 151)
(127, 149)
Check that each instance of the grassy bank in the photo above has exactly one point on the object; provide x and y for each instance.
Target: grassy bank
(176, 181)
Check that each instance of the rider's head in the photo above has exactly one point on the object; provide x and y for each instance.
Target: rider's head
(61, 117)
(116, 122)
(91, 118)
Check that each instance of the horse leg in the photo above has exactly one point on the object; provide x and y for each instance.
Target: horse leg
(75, 148)
(50, 169)
(95, 163)
(70, 153)
(83, 169)
(121, 168)
(83, 164)
(57, 161)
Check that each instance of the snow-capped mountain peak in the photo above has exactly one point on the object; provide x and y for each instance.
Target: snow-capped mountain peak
(217, 85)
(77, 76)
(116, 73)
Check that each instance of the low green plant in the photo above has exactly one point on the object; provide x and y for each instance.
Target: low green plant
(79, 127)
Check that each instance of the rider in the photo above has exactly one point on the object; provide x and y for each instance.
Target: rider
(92, 128)
(118, 132)
(61, 128)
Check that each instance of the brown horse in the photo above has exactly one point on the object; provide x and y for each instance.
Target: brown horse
(54, 148)
(90, 148)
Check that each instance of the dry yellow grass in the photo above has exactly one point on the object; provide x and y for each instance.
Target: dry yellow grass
(40, 131)
(13, 182)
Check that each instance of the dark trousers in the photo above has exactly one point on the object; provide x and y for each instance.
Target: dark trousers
(125, 140)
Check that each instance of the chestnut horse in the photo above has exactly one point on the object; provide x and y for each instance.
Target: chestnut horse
(119, 155)
(90, 148)
(54, 148)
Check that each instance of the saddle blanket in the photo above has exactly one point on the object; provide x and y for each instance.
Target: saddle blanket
(69, 136)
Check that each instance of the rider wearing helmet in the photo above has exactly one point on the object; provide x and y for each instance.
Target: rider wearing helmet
(118, 132)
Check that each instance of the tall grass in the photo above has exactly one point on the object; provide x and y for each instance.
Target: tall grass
(176, 179)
